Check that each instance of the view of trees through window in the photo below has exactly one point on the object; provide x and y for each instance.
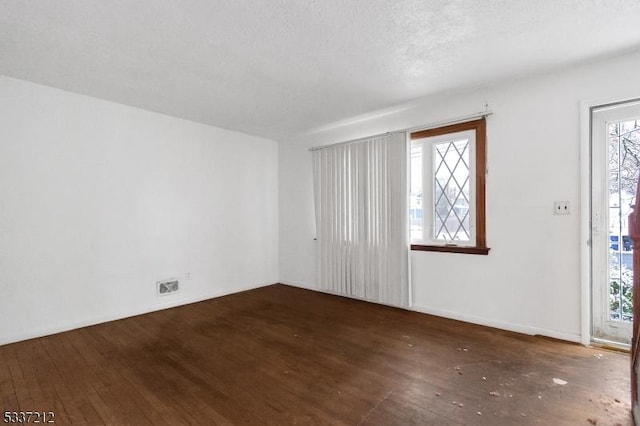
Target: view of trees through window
(624, 167)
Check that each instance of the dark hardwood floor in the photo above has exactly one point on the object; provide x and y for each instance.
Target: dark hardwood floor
(281, 355)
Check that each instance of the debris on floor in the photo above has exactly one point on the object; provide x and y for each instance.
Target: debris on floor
(493, 393)
(559, 381)
(478, 413)
(592, 421)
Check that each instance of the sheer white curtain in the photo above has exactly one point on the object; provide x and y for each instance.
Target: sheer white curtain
(360, 191)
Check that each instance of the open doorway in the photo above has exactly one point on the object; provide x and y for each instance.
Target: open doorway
(615, 166)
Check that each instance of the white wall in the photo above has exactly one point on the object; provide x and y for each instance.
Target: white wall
(98, 201)
(530, 282)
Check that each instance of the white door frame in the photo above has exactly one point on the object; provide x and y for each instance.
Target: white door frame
(586, 108)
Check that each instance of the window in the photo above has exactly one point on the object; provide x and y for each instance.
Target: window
(447, 190)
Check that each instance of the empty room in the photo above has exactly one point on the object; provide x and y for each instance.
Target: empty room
(323, 212)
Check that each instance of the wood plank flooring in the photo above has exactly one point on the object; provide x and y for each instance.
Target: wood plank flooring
(281, 355)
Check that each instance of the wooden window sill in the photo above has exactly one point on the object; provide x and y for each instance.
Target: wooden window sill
(452, 249)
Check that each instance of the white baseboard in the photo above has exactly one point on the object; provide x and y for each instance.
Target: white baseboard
(99, 319)
(518, 328)
(301, 285)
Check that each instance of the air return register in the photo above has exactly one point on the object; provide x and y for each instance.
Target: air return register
(167, 287)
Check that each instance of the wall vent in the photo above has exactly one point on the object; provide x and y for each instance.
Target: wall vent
(167, 287)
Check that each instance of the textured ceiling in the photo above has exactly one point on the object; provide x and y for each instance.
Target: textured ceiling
(277, 68)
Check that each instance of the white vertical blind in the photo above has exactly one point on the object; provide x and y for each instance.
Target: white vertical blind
(361, 205)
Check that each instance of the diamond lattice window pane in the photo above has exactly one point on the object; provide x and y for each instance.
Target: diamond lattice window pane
(451, 190)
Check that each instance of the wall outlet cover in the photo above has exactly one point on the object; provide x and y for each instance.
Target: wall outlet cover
(561, 207)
